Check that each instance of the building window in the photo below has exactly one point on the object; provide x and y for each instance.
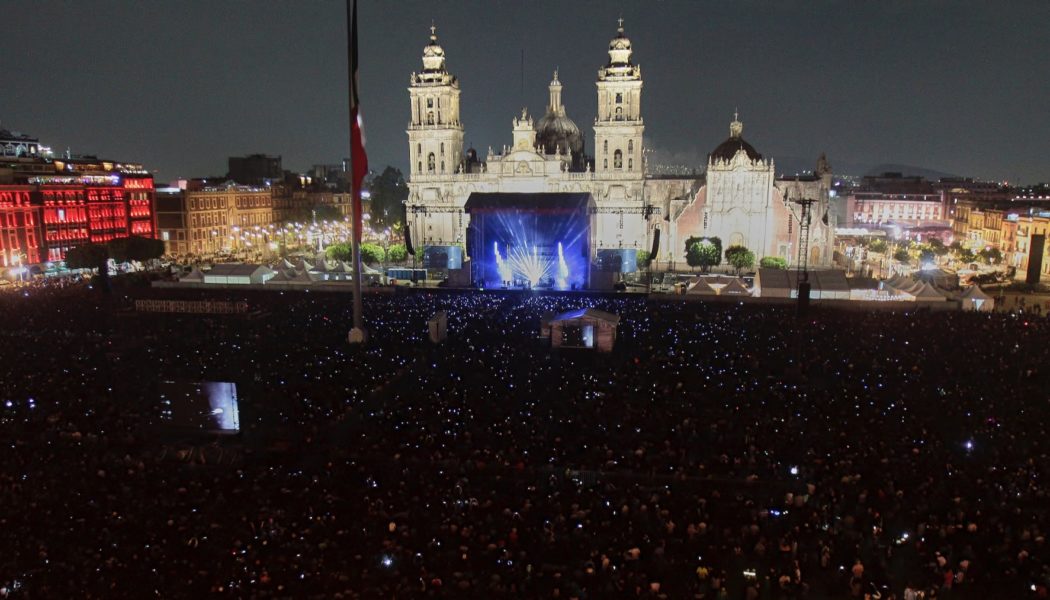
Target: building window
(617, 160)
(430, 103)
(442, 148)
(430, 162)
(605, 146)
(619, 113)
(605, 164)
(630, 146)
(630, 164)
(619, 98)
(430, 118)
(442, 166)
(419, 149)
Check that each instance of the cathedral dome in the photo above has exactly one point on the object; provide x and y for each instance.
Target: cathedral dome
(728, 149)
(433, 54)
(556, 133)
(620, 48)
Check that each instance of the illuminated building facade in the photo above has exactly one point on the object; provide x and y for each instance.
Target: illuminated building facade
(48, 206)
(740, 200)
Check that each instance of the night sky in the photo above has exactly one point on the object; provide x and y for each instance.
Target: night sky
(960, 87)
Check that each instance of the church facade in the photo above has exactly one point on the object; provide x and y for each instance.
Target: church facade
(740, 200)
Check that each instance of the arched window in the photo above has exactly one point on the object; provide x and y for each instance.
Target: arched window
(630, 146)
(442, 166)
(619, 113)
(419, 149)
(430, 103)
(419, 166)
(605, 146)
(442, 148)
(617, 160)
(605, 164)
(430, 162)
(630, 164)
(430, 118)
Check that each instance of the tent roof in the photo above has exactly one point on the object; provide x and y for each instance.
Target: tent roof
(282, 275)
(701, 287)
(734, 288)
(926, 292)
(194, 275)
(592, 313)
(975, 292)
(236, 269)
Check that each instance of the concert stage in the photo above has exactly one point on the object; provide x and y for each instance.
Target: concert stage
(529, 240)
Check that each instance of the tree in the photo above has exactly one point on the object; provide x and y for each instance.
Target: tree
(388, 193)
(703, 254)
(396, 253)
(740, 257)
(773, 262)
(642, 259)
(137, 248)
(901, 255)
(990, 256)
(87, 256)
(340, 251)
(937, 246)
(965, 255)
(372, 253)
(878, 246)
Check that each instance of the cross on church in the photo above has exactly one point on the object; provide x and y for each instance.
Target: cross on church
(433, 28)
(620, 22)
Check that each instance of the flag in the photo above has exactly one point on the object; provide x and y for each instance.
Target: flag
(358, 158)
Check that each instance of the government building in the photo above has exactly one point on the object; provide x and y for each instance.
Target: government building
(739, 199)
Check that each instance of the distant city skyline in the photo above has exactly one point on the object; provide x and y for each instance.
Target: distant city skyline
(953, 87)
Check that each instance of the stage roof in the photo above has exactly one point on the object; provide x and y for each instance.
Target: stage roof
(557, 202)
(587, 313)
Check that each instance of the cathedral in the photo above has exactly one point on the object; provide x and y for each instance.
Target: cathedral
(738, 199)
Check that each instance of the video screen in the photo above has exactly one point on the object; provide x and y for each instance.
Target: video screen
(204, 407)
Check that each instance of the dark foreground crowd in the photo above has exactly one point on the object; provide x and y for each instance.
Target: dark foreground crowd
(722, 451)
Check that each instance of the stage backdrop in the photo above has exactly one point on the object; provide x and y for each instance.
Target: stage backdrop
(538, 240)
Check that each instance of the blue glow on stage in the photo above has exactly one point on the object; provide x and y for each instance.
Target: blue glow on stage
(529, 240)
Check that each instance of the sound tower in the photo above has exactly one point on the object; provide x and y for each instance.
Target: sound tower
(1035, 258)
(408, 242)
(803, 298)
(656, 246)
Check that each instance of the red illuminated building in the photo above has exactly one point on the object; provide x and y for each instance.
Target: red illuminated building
(48, 206)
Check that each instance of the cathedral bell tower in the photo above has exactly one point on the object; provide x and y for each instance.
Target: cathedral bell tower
(435, 134)
(618, 128)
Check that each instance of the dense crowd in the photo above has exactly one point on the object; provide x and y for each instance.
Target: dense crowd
(723, 450)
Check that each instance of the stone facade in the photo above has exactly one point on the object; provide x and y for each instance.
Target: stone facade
(741, 201)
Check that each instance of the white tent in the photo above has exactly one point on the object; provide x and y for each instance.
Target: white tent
(701, 287)
(974, 298)
(281, 276)
(926, 293)
(238, 274)
(734, 288)
(301, 277)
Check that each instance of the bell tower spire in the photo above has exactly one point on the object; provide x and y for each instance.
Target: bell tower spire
(435, 134)
(619, 127)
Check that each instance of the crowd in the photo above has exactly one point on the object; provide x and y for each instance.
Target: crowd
(721, 451)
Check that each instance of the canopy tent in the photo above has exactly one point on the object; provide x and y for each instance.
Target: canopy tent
(939, 278)
(238, 274)
(974, 298)
(584, 328)
(782, 283)
(287, 264)
(926, 293)
(700, 287)
(301, 277)
(734, 288)
(282, 276)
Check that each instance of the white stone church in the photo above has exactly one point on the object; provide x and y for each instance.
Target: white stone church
(739, 199)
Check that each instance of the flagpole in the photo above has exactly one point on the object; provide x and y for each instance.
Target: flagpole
(357, 334)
